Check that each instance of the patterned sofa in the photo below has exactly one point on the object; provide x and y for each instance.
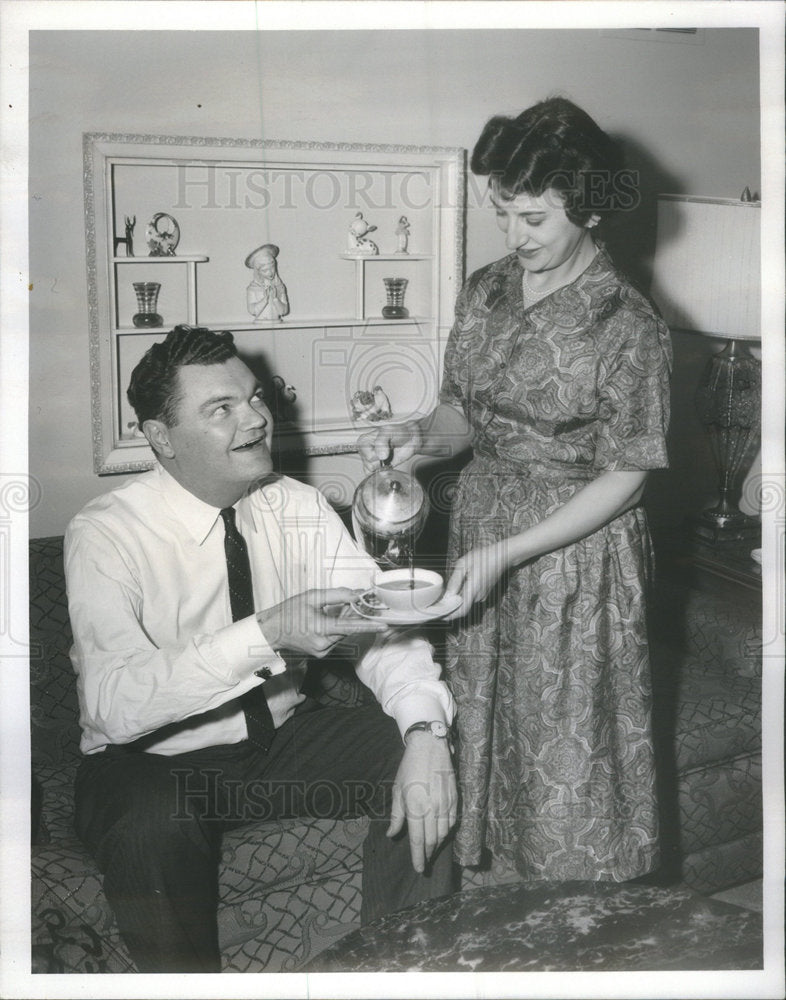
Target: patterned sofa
(289, 889)
(706, 650)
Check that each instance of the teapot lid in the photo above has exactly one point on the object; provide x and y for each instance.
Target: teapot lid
(389, 498)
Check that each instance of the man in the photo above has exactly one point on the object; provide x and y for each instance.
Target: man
(196, 593)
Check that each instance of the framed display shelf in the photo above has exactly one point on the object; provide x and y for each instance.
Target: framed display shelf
(287, 324)
(194, 259)
(230, 196)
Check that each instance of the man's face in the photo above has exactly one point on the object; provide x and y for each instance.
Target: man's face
(220, 443)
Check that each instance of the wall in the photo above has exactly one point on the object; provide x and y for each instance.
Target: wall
(675, 103)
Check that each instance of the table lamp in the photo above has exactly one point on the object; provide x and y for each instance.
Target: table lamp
(706, 279)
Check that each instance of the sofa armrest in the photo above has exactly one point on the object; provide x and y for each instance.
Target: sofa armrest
(717, 635)
(334, 682)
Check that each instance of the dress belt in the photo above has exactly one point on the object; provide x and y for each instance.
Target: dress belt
(536, 470)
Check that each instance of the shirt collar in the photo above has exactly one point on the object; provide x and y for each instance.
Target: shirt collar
(196, 516)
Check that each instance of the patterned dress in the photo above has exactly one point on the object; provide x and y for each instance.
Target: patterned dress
(551, 672)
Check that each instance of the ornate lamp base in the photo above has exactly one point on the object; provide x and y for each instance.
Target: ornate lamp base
(728, 400)
(716, 525)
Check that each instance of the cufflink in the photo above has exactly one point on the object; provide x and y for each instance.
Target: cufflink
(264, 672)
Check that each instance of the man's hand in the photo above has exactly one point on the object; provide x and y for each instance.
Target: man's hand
(311, 624)
(424, 794)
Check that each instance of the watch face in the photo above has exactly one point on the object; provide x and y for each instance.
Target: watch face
(438, 729)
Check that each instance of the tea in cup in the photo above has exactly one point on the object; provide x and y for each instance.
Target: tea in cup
(408, 590)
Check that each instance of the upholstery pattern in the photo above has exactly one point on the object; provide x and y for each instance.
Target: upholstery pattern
(717, 721)
(707, 664)
(287, 889)
(719, 804)
(53, 703)
(73, 929)
(724, 864)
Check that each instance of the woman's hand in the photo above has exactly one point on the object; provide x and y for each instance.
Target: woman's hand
(394, 443)
(477, 573)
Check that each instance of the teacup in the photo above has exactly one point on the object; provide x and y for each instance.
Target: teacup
(402, 590)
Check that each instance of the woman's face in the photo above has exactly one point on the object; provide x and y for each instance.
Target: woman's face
(538, 230)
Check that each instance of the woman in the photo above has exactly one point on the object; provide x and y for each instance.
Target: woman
(556, 373)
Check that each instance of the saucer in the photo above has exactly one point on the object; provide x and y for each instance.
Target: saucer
(444, 606)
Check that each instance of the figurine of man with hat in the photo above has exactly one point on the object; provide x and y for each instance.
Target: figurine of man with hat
(266, 296)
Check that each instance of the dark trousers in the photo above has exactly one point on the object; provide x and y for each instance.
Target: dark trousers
(154, 825)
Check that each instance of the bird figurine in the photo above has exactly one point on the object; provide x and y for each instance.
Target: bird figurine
(371, 406)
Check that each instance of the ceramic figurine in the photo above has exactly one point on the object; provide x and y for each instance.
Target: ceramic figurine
(287, 392)
(402, 232)
(357, 238)
(371, 406)
(266, 296)
(128, 240)
(162, 235)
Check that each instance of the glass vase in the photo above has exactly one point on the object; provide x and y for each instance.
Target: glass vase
(147, 300)
(395, 289)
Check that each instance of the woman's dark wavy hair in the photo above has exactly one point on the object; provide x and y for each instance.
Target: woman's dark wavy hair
(553, 144)
(153, 390)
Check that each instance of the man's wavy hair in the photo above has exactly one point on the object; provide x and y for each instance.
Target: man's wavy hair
(553, 144)
(154, 390)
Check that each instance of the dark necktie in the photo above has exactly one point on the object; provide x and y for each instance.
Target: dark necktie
(241, 600)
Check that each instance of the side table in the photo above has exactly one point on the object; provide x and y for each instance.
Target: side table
(725, 567)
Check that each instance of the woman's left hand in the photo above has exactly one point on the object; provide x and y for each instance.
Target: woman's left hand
(477, 573)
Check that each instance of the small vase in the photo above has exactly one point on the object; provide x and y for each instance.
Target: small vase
(395, 288)
(147, 300)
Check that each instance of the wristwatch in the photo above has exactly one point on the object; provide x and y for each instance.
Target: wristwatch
(439, 730)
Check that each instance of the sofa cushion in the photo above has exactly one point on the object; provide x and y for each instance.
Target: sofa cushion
(717, 717)
(717, 634)
(723, 865)
(283, 853)
(54, 709)
(73, 929)
(56, 784)
(719, 802)
(287, 890)
(280, 930)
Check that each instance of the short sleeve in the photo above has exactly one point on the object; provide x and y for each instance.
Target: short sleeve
(452, 390)
(634, 395)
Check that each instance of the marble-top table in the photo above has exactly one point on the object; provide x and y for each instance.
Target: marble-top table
(581, 926)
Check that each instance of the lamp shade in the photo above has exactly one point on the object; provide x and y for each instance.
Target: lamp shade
(707, 272)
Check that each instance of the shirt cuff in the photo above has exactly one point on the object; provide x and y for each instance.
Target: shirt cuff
(244, 650)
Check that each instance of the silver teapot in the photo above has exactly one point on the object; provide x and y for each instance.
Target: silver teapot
(389, 510)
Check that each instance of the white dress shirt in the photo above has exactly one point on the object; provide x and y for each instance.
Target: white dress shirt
(154, 641)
